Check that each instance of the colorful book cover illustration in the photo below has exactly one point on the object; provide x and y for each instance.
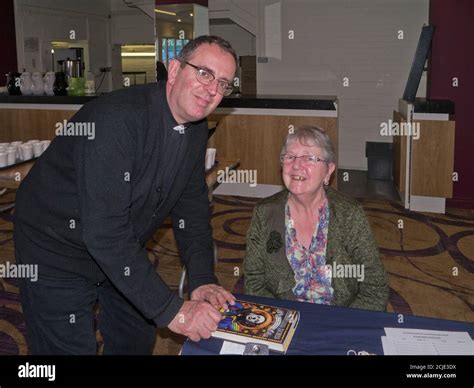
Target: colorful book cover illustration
(259, 323)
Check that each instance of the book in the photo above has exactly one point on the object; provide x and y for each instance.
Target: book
(258, 323)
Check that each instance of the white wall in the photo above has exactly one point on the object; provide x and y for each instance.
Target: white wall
(200, 20)
(334, 39)
(241, 40)
(241, 12)
(91, 7)
(132, 25)
(44, 21)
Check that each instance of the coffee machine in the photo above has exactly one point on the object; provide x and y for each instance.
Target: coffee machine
(71, 63)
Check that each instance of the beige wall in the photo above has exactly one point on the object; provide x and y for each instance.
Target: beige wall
(334, 39)
(241, 40)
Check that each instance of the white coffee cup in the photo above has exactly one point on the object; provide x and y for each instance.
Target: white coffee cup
(3, 159)
(37, 149)
(32, 141)
(26, 151)
(210, 157)
(45, 144)
(15, 149)
(11, 156)
(16, 143)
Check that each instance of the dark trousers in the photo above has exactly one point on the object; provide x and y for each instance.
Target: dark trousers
(59, 315)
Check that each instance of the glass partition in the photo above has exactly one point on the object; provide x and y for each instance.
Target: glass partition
(175, 25)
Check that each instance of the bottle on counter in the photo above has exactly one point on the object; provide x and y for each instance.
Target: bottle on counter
(26, 83)
(37, 86)
(49, 79)
(77, 86)
(13, 83)
(60, 84)
(90, 83)
(76, 81)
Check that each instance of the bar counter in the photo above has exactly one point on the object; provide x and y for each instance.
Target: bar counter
(250, 128)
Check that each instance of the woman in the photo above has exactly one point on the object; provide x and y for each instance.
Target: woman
(309, 242)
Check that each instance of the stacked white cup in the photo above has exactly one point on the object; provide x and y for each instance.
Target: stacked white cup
(11, 153)
(26, 151)
(45, 144)
(3, 158)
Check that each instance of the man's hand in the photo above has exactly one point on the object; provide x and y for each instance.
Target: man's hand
(196, 320)
(214, 294)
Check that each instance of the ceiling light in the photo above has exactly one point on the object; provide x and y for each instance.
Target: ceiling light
(165, 12)
(137, 54)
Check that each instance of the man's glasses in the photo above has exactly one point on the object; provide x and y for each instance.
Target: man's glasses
(206, 77)
(308, 160)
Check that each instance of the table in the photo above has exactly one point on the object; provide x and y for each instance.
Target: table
(332, 330)
(10, 178)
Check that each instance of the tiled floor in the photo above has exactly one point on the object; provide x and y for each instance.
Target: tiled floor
(351, 182)
(356, 184)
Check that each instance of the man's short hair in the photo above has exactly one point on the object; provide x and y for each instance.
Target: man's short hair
(188, 50)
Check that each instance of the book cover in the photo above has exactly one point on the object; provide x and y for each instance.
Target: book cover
(258, 323)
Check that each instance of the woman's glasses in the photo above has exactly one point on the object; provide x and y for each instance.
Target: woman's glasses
(308, 160)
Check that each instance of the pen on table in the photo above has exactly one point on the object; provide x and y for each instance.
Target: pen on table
(230, 313)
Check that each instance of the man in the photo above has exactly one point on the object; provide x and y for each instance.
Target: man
(89, 205)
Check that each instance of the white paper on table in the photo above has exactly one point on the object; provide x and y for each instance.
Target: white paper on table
(388, 346)
(404, 347)
(232, 348)
(426, 342)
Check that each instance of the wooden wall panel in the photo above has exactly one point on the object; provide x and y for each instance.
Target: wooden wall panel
(399, 155)
(257, 140)
(254, 139)
(433, 159)
(28, 124)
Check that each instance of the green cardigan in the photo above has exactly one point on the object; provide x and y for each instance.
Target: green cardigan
(267, 271)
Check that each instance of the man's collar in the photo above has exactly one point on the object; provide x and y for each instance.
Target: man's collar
(181, 127)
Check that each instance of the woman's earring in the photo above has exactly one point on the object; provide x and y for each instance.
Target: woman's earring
(326, 181)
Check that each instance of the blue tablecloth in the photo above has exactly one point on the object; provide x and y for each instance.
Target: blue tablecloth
(331, 330)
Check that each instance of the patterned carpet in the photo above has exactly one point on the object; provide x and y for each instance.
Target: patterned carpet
(429, 259)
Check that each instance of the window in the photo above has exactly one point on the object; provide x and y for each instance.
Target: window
(170, 48)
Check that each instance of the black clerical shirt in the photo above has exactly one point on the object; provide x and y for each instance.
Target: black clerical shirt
(89, 206)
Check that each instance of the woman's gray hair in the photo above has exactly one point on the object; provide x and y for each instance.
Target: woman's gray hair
(313, 137)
